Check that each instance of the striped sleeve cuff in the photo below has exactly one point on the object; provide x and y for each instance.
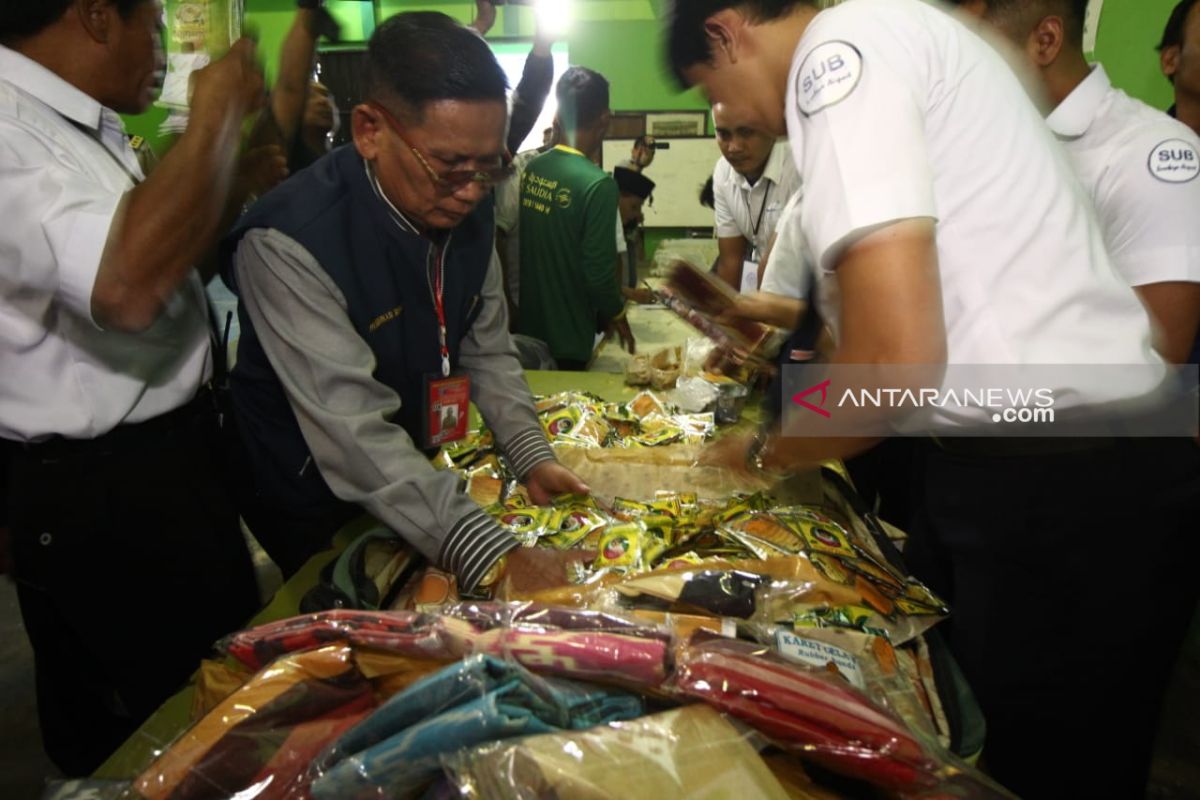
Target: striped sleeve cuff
(473, 546)
(527, 450)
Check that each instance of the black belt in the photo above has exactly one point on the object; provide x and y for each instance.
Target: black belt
(122, 437)
(1018, 447)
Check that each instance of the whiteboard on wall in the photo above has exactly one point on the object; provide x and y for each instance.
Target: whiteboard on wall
(679, 172)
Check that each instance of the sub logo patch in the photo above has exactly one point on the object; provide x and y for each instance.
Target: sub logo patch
(1175, 161)
(827, 76)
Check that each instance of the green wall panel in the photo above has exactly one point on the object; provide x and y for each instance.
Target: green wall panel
(1129, 32)
(620, 38)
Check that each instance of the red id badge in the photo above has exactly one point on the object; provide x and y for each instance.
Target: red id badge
(447, 409)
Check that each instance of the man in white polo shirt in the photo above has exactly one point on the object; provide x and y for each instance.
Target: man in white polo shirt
(127, 553)
(948, 230)
(751, 184)
(1141, 168)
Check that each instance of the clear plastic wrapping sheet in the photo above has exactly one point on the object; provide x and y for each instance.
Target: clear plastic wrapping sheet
(258, 742)
(318, 721)
(821, 717)
(687, 752)
(396, 751)
(577, 644)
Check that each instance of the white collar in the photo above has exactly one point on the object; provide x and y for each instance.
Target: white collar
(397, 215)
(1074, 115)
(35, 80)
(773, 171)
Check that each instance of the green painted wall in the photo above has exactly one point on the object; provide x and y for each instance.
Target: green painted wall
(620, 39)
(1129, 32)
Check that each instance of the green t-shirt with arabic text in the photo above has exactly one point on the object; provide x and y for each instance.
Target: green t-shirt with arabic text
(568, 252)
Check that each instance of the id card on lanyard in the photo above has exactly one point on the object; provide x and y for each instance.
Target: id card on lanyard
(750, 266)
(447, 397)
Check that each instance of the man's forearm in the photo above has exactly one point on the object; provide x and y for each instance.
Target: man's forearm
(729, 269)
(165, 225)
(290, 93)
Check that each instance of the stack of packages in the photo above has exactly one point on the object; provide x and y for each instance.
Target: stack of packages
(690, 646)
(521, 700)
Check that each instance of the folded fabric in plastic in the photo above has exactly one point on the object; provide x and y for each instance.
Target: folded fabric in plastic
(691, 752)
(404, 632)
(820, 716)
(269, 728)
(837, 725)
(489, 615)
(481, 699)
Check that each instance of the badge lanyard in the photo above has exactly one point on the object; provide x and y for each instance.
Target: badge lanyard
(440, 306)
(762, 210)
(96, 137)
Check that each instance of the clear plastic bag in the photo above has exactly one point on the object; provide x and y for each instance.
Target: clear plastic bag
(687, 752)
(258, 742)
(396, 751)
(820, 716)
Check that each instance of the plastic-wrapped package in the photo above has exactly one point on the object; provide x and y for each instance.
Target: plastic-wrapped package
(395, 752)
(585, 655)
(695, 394)
(404, 632)
(630, 657)
(215, 681)
(691, 752)
(820, 716)
(867, 662)
(259, 741)
(547, 617)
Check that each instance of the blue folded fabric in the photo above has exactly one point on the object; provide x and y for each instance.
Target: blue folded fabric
(447, 712)
(470, 678)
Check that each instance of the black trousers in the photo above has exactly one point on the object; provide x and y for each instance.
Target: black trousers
(129, 564)
(1072, 577)
(290, 537)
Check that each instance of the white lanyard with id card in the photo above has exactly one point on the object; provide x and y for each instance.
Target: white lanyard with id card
(447, 397)
(750, 273)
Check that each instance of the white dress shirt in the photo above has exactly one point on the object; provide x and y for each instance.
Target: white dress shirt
(896, 111)
(65, 165)
(753, 212)
(1142, 170)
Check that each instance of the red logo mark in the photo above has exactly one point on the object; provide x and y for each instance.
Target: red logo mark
(823, 388)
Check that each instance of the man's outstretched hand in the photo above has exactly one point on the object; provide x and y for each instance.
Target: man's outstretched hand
(550, 479)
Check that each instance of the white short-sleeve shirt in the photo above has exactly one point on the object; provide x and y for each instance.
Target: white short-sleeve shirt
(754, 211)
(1142, 170)
(789, 269)
(895, 111)
(65, 165)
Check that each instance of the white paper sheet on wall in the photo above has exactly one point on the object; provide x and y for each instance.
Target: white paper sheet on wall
(1091, 26)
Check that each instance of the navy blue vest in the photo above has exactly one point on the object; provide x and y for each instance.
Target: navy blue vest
(385, 273)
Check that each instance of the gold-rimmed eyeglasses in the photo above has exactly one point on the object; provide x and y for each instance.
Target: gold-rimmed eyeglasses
(452, 180)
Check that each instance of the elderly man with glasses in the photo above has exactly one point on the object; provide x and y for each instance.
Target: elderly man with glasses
(371, 302)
